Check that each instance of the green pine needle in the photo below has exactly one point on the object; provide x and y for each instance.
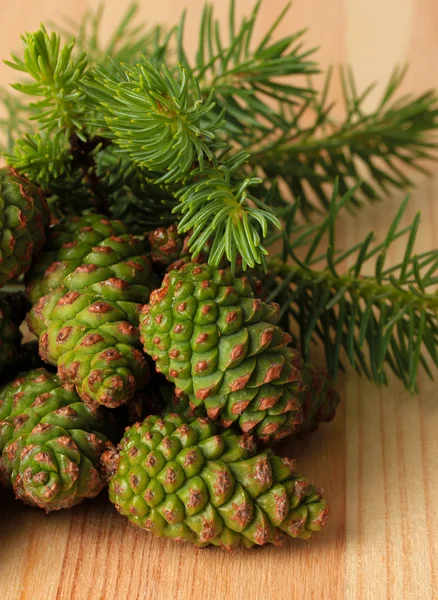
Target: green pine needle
(158, 120)
(56, 78)
(388, 320)
(379, 148)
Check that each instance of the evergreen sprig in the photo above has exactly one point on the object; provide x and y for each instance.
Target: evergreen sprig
(268, 107)
(224, 212)
(380, 148)
(251, 83)
(56, 77)
(388, 319)
(60, 151)
(43, 151)
(286, 126)
(43, 159)
(158, 120)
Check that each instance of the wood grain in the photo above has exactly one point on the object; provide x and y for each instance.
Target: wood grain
(378, 461)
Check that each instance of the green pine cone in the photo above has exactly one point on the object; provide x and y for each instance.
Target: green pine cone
(188, 483)
(23, 219)
(88, 291)
(88, 240)
(318, 401)
(166, 245)
(170, 249)
(51, 442)
(221, 347)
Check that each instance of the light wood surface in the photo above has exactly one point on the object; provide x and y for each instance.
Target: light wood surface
(378, 461)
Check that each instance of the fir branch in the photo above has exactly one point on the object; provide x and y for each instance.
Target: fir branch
(385, 320)
(56, 78)
(288, 128)
(251, 83)
(156, 119)
(268, 108)
(378, 148)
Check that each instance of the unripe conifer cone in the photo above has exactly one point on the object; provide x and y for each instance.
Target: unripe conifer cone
(319, 401)
(221, 347)
(50, 441)
(88, 290)
(23, 219)
(187, 482)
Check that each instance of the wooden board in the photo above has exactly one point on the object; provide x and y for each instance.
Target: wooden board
(378, 461)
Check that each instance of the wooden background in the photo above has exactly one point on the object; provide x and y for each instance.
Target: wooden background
(378, 461)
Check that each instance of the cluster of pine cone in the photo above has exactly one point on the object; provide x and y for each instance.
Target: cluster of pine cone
(127, 327)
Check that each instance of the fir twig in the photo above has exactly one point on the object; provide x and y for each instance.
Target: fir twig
(56, 78)
(385, 320)
(160, 122)
(251, 81)
(378, 148)
(155, 118)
